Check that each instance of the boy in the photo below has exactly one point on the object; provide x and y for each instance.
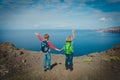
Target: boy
(46, 51)
(68, 48)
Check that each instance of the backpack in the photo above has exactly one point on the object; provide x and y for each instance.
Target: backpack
(68, 48)
(44, 46)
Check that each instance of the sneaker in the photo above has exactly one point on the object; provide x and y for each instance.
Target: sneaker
(67, 68)
(71, 69)
(45, 70)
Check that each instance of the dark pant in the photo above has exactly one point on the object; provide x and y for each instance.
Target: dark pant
(69, 61)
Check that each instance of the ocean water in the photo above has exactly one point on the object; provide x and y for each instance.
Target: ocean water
(86, 41)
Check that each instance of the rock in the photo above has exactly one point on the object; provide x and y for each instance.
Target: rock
(3, 54)
(19, 52)
(6, 44)
(23, 60)
(3, 70)
(117, 47)
(6, 49)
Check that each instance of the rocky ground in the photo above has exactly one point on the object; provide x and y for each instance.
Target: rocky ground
(20, 64)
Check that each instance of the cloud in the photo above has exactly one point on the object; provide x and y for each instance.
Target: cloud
(17, 1)
(13, 5)
(104, 19)
(80, 1)
(36, 25)
(55, 14)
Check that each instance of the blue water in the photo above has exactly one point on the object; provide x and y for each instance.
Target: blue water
(86, 41)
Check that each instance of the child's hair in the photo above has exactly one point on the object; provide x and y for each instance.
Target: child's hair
(46, 36)
(69, 39)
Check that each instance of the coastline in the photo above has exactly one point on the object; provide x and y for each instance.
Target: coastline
(111, 30)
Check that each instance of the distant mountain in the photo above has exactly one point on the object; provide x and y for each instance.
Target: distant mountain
(111, 29)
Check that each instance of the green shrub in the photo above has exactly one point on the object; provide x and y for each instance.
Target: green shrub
(87, 60)
(107, 59)
(114, 58)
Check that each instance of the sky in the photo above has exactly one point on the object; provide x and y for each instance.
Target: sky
(59, 14)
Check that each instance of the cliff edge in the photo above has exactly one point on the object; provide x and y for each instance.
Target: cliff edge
(20, 64)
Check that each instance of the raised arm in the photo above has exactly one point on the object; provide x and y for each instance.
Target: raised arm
(39, 37)
(73, 33)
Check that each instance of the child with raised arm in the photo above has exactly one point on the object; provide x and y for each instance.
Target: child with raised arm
(68, 48)
(45, 48)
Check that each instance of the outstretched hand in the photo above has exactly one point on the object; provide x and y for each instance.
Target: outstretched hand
(36, 33)
(73, 30)
(58, 50)
(73, 33)
(61, 49)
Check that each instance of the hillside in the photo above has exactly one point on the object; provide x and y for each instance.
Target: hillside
(20, 64)
(111, 29)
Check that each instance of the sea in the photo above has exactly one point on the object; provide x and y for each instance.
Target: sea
(85, 42)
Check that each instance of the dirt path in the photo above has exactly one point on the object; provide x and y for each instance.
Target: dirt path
(19, 64)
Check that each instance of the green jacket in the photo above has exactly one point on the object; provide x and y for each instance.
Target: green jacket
(68, 48)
